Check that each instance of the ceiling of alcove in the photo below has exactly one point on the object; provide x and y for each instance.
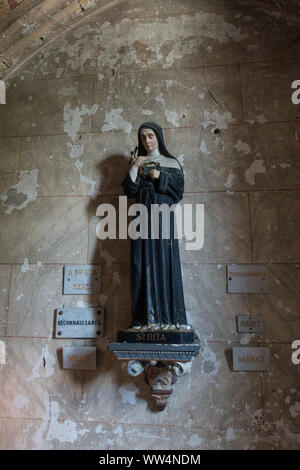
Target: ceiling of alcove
(28, 26)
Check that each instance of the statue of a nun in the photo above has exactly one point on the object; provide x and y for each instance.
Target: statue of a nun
(155, 177)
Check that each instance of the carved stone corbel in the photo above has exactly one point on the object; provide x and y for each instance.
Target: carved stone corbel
(160, 362)
(161, 376)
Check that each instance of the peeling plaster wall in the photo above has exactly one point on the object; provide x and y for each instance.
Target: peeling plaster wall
(217, 76)
(6, 6)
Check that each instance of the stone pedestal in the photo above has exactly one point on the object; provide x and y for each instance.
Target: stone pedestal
(162, 356)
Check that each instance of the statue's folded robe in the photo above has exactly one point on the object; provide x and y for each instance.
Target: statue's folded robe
(156, 281)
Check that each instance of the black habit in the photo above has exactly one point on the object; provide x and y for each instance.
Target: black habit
(156, 281)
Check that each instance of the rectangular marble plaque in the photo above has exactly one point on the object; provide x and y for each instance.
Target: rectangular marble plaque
(250, 324)
(79, 357)
(84, 322)
(84, 279)
(246, 279)
(251, 358)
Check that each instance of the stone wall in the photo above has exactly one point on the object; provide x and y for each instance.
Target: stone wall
(217, 77)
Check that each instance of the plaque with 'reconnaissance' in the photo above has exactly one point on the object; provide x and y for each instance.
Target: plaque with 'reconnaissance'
(84, 322)
(84, 279)
(251, 358)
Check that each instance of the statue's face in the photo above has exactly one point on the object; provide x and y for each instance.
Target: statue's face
(149, 139)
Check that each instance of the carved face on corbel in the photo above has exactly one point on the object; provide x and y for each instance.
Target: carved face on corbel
(160, 378)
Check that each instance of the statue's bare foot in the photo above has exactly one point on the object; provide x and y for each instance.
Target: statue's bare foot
(172, 327)
(182, 326)
(146, 327)
(135, 326)
(155, 326)
(165, 326)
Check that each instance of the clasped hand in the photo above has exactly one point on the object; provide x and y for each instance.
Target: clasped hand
(137, 161)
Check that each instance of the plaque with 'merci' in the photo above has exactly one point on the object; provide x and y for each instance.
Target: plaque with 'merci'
(79, 322)
(251, 358)
(250, 324)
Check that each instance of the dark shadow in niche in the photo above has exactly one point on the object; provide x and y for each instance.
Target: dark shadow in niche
(228, 357)
(113, 255)
(114, 293)
(59, 353)
(111, 170)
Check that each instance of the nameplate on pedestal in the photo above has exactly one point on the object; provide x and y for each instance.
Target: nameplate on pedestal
(79, 322)
(160, 336)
